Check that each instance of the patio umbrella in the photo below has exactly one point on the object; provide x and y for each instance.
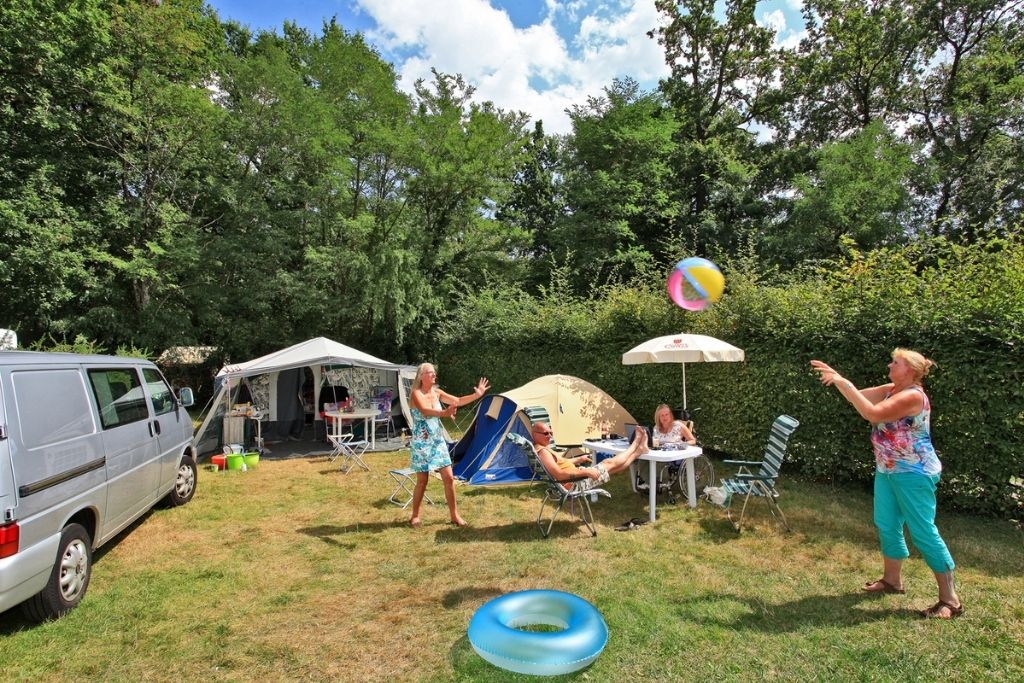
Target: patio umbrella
(682, 349)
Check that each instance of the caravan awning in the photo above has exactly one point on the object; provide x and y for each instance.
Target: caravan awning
(318, 351)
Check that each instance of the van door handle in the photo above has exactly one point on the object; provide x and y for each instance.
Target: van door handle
(154, 427)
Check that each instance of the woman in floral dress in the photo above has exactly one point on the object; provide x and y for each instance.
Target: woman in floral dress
(428, 448)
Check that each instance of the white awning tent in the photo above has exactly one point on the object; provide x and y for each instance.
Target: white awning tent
(683, 349)
(323, 357)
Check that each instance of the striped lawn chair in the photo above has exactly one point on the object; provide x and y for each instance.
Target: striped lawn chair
(761, 483)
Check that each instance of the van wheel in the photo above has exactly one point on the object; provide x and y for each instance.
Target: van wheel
(69, 578)
(184, 483)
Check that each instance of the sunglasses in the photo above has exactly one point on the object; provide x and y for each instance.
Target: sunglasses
(543, 433)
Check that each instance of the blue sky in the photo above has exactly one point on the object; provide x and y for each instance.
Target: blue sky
(537, 56)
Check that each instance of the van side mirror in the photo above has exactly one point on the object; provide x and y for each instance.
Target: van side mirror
(185, 397)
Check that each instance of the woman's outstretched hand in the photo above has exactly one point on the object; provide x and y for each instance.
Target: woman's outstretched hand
(827, 375)
(482, 386)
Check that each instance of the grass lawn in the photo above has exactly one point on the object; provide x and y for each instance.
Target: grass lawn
(294, 571)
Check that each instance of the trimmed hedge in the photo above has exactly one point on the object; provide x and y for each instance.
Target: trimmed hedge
(963, 307)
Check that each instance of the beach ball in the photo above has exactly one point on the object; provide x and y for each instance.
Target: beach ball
(695, 283)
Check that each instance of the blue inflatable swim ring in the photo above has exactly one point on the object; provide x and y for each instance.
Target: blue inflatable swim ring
(494, 632)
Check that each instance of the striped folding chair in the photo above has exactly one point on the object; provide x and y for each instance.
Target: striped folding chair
(758, 478)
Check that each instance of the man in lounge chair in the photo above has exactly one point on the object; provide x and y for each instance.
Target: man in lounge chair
(564, 469)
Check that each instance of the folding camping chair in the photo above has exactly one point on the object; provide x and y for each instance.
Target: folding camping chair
(347, 447)
(402, 495)
(761, 483)
(556, 491)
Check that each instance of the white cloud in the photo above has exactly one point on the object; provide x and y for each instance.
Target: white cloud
(775, 20)
(505, 64)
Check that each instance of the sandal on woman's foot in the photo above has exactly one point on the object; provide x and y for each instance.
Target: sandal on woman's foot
(935, 611)
(881, 586)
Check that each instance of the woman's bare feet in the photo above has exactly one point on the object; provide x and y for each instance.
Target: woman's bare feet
(640, 439)
(459, 521)
(415, 522)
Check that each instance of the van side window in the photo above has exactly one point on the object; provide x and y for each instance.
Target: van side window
(119, 395)
(53, 406)
(159, 392)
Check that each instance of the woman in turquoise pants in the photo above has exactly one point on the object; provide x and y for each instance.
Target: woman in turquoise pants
(906, 472)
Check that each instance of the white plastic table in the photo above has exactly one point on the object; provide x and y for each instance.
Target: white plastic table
(366, 415)
(615, 446)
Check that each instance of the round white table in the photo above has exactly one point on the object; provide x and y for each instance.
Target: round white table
(615, 446)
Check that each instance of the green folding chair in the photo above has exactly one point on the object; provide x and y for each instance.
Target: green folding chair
(757, 479)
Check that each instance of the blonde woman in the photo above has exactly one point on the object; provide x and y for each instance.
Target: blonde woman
(906, 473)
(429, 450)
(667, 429)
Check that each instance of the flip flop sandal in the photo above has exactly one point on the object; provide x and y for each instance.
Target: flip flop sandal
(628, 526)
(883, 587)
(638, 521)
(935, 611)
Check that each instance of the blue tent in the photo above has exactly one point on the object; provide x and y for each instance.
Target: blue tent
(573, 407)
(483, 456)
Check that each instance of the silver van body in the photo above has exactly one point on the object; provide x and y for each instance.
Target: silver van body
(87, 445)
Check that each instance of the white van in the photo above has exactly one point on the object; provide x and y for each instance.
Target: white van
(87, 445)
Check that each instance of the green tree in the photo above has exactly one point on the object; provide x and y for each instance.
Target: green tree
(859, 191)
(534, 203)
(852, 68)
(720, 86)
(51, 71)
(461, 169)
(617, 184)
(968, 109)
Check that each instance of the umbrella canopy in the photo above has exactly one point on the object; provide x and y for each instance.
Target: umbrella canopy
(683, 349)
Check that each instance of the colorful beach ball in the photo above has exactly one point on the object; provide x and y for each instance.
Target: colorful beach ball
(695, 283)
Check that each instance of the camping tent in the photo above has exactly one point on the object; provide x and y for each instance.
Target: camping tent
(274, 383)
(576, 408)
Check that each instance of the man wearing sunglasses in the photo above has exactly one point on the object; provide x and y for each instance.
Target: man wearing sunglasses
(565, 469)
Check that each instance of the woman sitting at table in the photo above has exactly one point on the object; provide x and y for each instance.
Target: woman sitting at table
(669, 430)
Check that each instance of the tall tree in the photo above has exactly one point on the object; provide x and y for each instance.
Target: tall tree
(465, 157)
(617, 184)
(852, 67)
(969, 111)
(721, 85)
(858, 190)
(534, 203)
(52, 69)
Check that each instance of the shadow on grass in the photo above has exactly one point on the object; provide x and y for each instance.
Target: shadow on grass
(746, 613)
(471, 594)
(516, 532)
(992, 546)
(328, 533)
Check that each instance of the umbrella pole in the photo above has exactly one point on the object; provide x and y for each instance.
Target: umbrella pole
(684, 385)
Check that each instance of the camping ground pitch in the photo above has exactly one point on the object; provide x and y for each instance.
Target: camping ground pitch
(294, 571)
